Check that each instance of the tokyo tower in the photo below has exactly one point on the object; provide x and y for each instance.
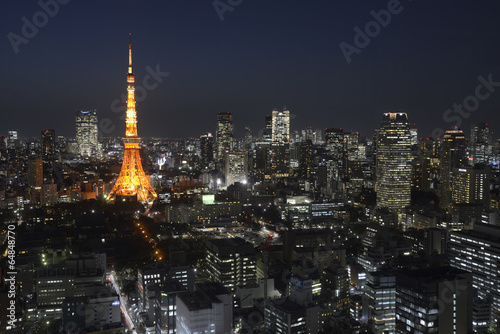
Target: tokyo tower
(132, 181)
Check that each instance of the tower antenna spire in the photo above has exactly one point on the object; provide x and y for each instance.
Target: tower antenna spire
(130, 52)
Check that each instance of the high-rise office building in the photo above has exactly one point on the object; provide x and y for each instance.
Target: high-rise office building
(48, 140)
(35, 172)
(86, 133)
(335, 145)
(248, 138)
(224, 134)
(236, 167)
(12, 139)
(207, 151)
(471, 185)
(231, 262)
(452, 156)
(267, 135)
(478, 251)
(280, 145)
(262, 159)
(380, 301)
(480, 143)
(305, 157)
(434, 300)
(394, 162)
(280, 127)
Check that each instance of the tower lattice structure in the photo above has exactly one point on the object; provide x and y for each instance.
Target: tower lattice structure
(132, 180)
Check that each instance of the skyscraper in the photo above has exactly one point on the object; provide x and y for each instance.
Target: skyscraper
(132, 180)
(480, 143)
(471, 185)
(35, 172)
(48, 142)
(12, 140)
(86, 133)
(452, 156)
(337, 150)
(267, 136)
(280, 127)
(207, 151)
(394, 162)
(280, 146)
(224, 134)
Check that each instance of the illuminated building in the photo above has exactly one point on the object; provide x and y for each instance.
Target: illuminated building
(132, 180)
(306, 154)
(48, 194)
(478, 251)
(394, 162)
(35, 172)
(206, 151)
(86, 133)
(480, 143)
(208, 310)
(280, 145)
(434, 300)
(280, 127)
(262, 159)
(294, 314)
(224, 134)
(236, 167)
(48, 140)
(85, 313)
(12, 140)
(267, 134)
(380, 292)
(336, 148)
(452, 156)
(231, 262)
(471, 185)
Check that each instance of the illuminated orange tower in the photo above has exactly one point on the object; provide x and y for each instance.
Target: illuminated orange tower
(132, 181)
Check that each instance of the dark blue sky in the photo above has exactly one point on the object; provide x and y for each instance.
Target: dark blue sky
(264, 54)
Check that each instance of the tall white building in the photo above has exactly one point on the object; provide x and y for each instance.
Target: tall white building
(236, 169)
(208, 310)
(280, 127)
(394, 162)
(86, 133)
(12, 139)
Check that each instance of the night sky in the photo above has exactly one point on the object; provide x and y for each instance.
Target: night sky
(264, 54)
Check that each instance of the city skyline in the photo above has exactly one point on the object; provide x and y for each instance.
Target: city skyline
(249, 63)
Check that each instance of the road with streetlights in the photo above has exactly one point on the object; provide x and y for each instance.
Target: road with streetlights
(123, 305)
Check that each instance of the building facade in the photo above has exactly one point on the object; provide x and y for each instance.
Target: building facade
(87, 133)
(394, 162)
